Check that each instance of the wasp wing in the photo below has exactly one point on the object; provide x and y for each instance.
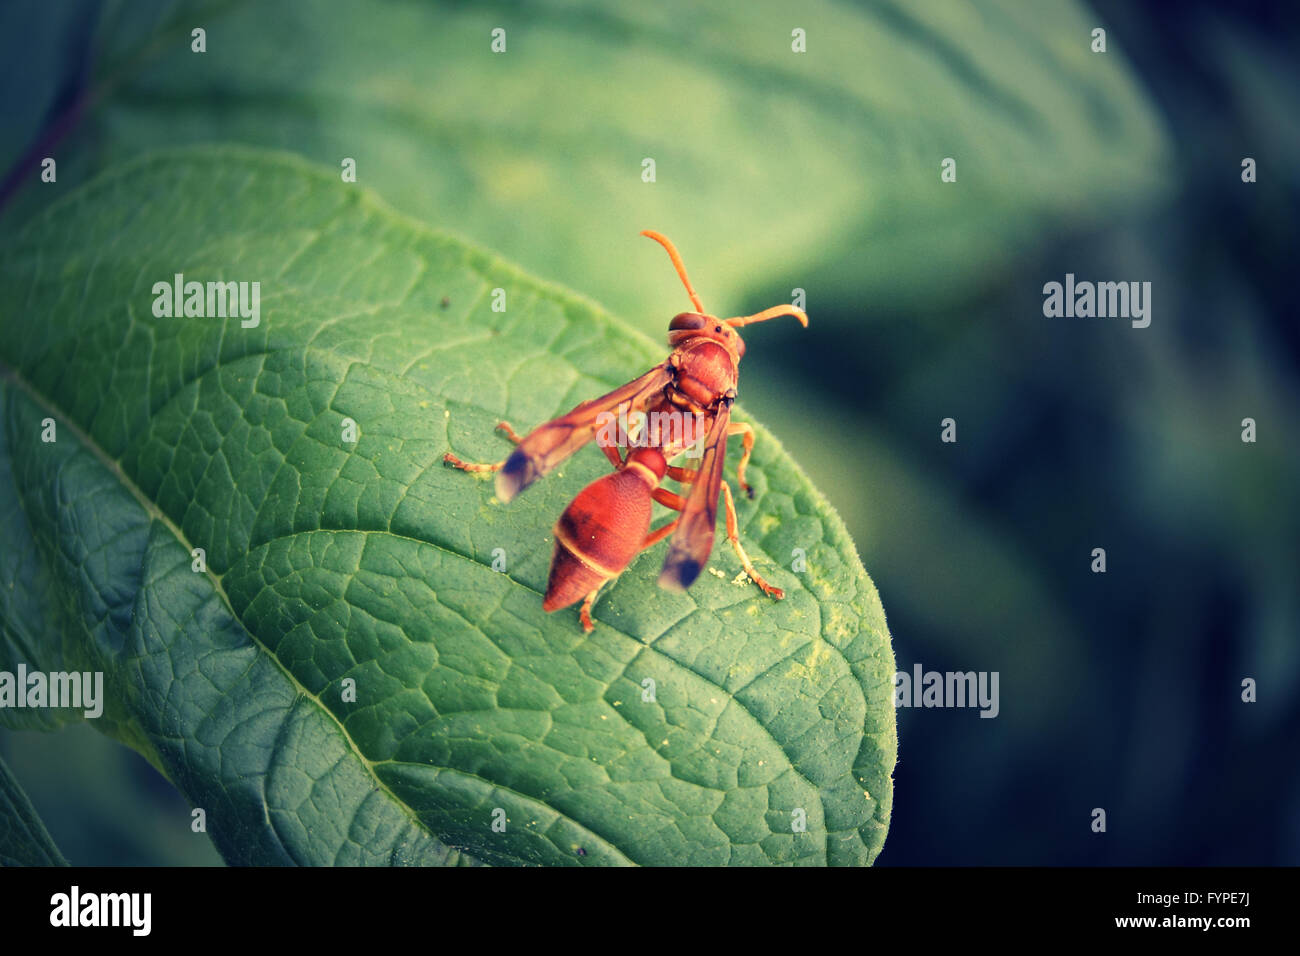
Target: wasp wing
(547, 445)
(692, 542)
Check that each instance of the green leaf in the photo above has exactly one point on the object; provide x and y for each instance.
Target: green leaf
(24, 841)
(777, 169)
(371, 562)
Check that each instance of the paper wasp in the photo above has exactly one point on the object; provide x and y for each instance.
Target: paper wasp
(608, 523)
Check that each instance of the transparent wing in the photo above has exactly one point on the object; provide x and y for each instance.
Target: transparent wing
(692, 542)
(547, 445)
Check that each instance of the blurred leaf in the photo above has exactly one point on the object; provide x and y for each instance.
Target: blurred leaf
(774, 168)
(23, 838)
(371, 562)
(131, 816)
(43, 76)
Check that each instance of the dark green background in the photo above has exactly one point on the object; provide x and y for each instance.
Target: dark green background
(1118, 691)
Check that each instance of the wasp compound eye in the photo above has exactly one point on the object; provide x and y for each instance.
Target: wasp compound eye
(688, 322)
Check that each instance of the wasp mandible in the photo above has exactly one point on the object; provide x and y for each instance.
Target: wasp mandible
(608, 523)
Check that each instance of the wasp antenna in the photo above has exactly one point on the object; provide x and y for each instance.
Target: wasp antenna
(677, 264)
(766, 314)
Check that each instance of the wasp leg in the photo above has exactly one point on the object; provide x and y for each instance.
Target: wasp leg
(658, 534)
(613, 454)
(683, 475)
(510, 432)
(734, 538)
(668, 500)
(588, 625)
(740, 428)
(455, 462)
(653, 538)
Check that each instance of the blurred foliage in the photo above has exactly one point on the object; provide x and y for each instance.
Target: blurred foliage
(135, 818)
(1123, 691)
(819, 170)
(777, 170)
(24, 840)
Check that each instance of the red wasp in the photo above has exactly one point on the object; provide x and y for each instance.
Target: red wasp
(608, 523)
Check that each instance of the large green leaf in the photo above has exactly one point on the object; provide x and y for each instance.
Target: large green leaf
(371, 562)
(24, 841)
(777, 169)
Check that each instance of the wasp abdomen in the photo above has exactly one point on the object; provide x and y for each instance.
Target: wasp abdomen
(603, 529)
